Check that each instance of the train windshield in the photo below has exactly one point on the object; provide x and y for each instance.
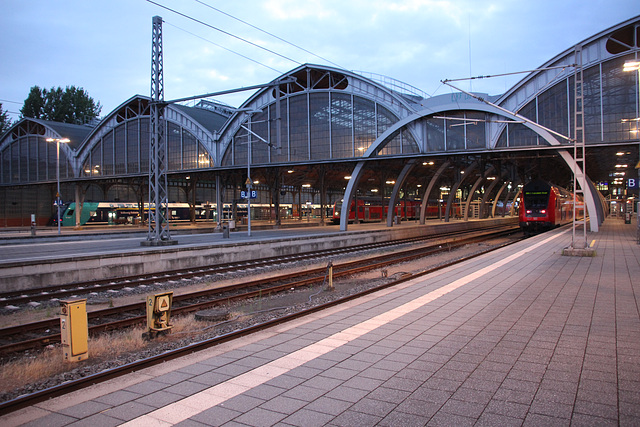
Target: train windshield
(536, 199)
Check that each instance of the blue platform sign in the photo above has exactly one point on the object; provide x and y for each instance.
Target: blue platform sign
(252, 195)
(633, 183)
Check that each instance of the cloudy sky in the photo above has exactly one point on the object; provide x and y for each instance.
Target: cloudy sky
(105, 46)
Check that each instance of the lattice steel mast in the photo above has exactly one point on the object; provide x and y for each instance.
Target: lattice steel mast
(158, 233)
(579, 238)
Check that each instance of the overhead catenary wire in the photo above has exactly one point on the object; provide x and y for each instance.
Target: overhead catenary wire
(267, 32)
(223, 32)
(225, 48)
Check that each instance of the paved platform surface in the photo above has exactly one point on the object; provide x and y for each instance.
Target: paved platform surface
(522, 336)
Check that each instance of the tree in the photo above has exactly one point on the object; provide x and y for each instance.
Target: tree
(5, 121)
(73, 105)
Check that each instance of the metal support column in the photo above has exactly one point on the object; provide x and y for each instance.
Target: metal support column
(158, 233)
(579, 236)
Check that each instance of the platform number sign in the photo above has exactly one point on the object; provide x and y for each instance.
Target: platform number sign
(249, 194)
(633, 183)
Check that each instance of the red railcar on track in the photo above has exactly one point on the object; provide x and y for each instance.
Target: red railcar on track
(544, 206)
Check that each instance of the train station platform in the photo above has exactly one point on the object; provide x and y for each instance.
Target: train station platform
(520, 336)
(32, 264)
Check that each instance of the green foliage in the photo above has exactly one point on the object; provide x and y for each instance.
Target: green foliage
(5, 121)
(72, 105)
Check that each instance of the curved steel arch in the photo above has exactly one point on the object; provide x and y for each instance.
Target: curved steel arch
(50, 132)
(109, 123)
(365, 87)
(468, 105)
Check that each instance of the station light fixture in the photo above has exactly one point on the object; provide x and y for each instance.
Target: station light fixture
(58, 201)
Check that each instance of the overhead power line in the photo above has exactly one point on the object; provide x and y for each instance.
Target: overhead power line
(267, 32)
(225, 48)
(223, 32)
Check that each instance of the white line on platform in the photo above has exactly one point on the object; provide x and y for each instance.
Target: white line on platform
(208, 398)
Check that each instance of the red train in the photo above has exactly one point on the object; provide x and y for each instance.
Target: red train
(370, 210)
(544, 206)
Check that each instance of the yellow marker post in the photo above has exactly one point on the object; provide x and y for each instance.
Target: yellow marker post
(74, 330)
(159, 313)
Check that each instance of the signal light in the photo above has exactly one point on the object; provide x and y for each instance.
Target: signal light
(544, 211)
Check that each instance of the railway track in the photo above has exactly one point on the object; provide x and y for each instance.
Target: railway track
(105, 375)
(42, 333)
(54, 293)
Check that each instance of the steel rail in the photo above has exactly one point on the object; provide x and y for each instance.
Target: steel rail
(67, 387)
(101, 285)
(315, 275)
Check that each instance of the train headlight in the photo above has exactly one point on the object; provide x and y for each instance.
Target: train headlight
(543, 211)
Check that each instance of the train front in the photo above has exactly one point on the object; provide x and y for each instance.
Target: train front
(535, 213)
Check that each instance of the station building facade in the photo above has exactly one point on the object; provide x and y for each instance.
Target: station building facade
(318, 135)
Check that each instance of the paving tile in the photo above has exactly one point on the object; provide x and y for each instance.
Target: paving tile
(351, 418)
(259, 417)
(327, 405)
(186, 388)
(159, 399)
(216, 416)
(286, 405)
(51, 420)
(507, 408)
(117, 398)
(596, 409)
(373, 407)
(190, 423)
(404, 384)
(447, 419)
(540, 420)
(128, 411)
(173, 377)
(397, 418)
(84, 409)
(97, 420)
(492, 420)
(307, 418)
(302, 392)
(463, 408)
(347, 394)
(552, 409)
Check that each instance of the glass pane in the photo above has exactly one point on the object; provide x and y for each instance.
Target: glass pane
(107, 153)
(364, 119)
(281, 155)
(189, 151)
(299, 127)
(259, 149)
(174, 147)
(95, 168)
(320, 131)
(455, 132)
(341, 126)
(120, 150)
(144, 145)
(33, 158)
(133, 161)
(475, 130)
(435, 134)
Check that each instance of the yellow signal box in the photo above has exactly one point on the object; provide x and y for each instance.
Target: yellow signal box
(159, 313)
(74, 330)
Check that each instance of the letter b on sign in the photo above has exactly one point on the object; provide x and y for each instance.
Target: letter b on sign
(632, 183)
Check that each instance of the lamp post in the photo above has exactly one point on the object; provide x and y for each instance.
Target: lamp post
(58, 141)
(635, 66)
